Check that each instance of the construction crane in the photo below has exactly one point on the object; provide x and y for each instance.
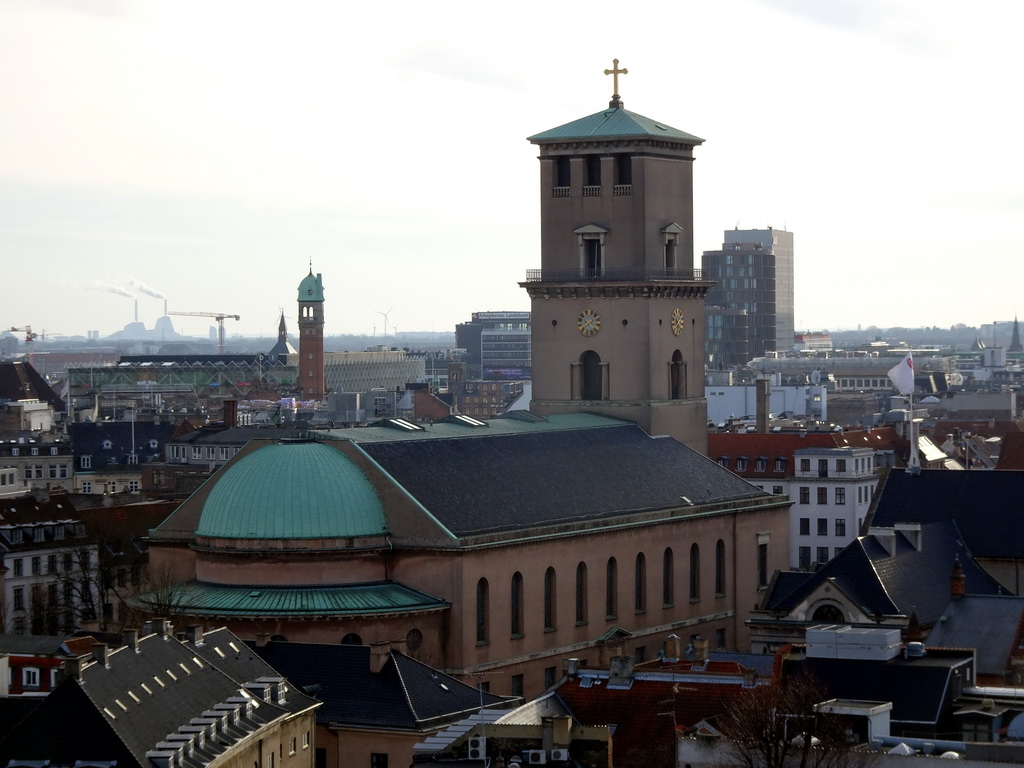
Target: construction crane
(29, 338)
(220, 317)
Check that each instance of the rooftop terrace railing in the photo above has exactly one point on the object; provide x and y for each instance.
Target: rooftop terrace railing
(610, 275)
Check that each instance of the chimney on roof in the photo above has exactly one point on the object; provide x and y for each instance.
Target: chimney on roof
(956, 579)
(570, 668)
(262, 638)
(130, 638)
(194, 633)
(101, 653)
(230, 413)
(73, 667)
(380, 652)
(700, 650)
(620, 671)
(673, 648)
(161, 627)
(764, 394)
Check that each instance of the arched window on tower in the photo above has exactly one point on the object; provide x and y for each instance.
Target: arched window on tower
(677, 377)
(591, 375)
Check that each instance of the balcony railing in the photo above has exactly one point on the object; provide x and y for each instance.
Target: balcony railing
(609, 275)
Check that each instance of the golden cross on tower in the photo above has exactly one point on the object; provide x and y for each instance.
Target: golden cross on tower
(615, 72)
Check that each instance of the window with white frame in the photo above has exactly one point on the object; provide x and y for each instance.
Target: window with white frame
(85, 462)
(30, 678)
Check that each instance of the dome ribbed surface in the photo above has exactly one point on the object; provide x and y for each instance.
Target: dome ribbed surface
(300, 490)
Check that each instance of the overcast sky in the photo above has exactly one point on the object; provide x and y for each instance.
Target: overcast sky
(205, 152)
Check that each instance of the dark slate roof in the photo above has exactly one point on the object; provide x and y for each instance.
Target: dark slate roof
(14, 709)
(32, 645)
(912, 581)
(20, 381)
(482, 484)
(90, 438)
(987, 623)
(405, 694)
(919, 689)
(121, 711)
(985, 505)
(239, 436)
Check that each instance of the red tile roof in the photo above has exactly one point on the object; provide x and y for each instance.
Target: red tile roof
(647, 714)
(1011, 455)
(776, 445)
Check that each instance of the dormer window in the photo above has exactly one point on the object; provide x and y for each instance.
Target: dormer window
(153, 445)
(85, 462)
(107, 445)
(741, 464)
(761, 464)
(724, 461)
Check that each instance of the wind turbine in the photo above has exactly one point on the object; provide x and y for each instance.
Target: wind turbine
(385, 316)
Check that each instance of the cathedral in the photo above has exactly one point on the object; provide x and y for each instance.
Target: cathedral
(591, 526)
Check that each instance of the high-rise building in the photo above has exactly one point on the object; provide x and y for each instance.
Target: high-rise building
(754, 272)
(311, 382)
(617, 308)
(497, 345)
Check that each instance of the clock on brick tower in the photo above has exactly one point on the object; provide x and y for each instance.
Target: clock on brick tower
(618, 309)
(311, 379)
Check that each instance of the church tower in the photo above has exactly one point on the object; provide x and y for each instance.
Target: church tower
(311, 382)
(617, 307)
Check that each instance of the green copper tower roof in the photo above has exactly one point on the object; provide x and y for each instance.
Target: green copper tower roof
(614, 122)
(311, 288)
(292, 490)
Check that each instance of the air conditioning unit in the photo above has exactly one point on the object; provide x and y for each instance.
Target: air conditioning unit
(559, 755)
(536, 756)
(477, 747)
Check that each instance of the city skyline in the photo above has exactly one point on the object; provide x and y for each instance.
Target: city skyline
(205, 156)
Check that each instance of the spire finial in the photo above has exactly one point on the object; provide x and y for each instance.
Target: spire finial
(615, 72)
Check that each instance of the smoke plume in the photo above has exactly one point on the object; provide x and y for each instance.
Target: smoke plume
(143, 288)
(108, 288)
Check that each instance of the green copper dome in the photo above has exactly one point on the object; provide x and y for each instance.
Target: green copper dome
(311, 288)
(292, 490)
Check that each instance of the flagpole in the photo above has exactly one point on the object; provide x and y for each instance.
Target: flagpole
(914, 462)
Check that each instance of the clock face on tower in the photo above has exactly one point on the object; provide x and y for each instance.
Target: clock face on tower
(678, 322)
(588, 322)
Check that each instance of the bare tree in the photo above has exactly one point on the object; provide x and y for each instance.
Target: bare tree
(778, 726)
(164, 592)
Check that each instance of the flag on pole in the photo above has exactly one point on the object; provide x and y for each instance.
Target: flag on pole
(903, 375)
